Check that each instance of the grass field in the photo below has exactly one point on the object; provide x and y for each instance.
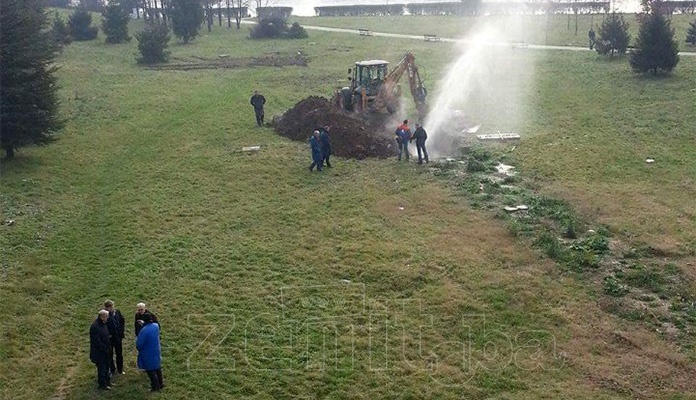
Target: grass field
(374, 279)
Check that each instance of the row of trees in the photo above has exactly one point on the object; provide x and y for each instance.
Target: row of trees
(655, 49)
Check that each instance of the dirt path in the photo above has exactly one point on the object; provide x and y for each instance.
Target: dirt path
(515, 45)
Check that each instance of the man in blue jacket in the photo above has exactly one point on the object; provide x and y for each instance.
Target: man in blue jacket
(403, 137)
(149, 352)
(317, 159)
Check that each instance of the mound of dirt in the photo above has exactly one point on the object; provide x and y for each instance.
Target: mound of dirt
(351, 136)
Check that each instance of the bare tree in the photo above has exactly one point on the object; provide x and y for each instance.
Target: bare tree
(240, 5)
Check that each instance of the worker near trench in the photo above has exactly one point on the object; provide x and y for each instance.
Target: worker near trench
(325, 144)
(258, 101)
(317, 158)
(403, 137)
(420, 135)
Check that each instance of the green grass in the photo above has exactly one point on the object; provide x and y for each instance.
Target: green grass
(146, 197)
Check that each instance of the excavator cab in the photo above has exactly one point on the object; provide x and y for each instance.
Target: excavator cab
(370, 76)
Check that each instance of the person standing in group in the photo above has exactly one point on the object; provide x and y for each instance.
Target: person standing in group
(150, 352)
(421, 135)
(117, 328)
(258, 101)
(325, 144)
(403, 136)
(317, 158)
(99, 347)
(142, 311)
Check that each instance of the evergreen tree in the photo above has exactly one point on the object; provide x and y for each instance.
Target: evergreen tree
(613, 36)
(152, 44)
(115, 23)
(691, 33)
(656, 50)
(187, 17)
(80, 24)
(28, 94)
(60, 31)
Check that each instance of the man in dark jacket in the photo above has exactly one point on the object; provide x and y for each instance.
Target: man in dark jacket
(325, 144)
(257, 100)
(420, 135)
(99, 349)
(117, 328)
(141, 311)
(317, 158)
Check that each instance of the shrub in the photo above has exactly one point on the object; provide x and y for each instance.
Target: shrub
(297, 31)
(152, 44)
(80, 24)
(276, 27)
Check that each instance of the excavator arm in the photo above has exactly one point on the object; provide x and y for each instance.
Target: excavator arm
(406, 66)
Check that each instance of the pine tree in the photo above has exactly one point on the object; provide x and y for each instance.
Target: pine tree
(187, 17)
(60, 31)
(656, 50)
(613, 36)
(28, 94)
(115, 23)
(691, 33)
(80, 24)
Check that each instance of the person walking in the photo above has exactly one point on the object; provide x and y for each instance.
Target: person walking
(99, 349)
(403, 137)
(141, 310)
(317, 158)
(258, 101)
(117, 327)
(591, 36)
(325, 145)
(421, 135)
(150, 352)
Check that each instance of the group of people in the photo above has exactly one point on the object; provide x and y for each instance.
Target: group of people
(320, 144)
(106, 336)
(404, 137)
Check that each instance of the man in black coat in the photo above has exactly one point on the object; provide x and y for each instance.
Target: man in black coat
(142, 310)
(257, 100)
(325, 144)
(420, 136)
(99, 349)
(117, 329)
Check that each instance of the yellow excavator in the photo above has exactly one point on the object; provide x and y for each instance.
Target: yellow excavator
(375, 89)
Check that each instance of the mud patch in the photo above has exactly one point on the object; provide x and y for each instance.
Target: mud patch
(351, 136)
(225, 62)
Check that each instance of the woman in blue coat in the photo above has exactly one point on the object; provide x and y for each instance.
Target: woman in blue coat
(149, 352)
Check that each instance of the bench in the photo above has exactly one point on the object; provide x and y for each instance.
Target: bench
(431, 38)
(364, 32)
